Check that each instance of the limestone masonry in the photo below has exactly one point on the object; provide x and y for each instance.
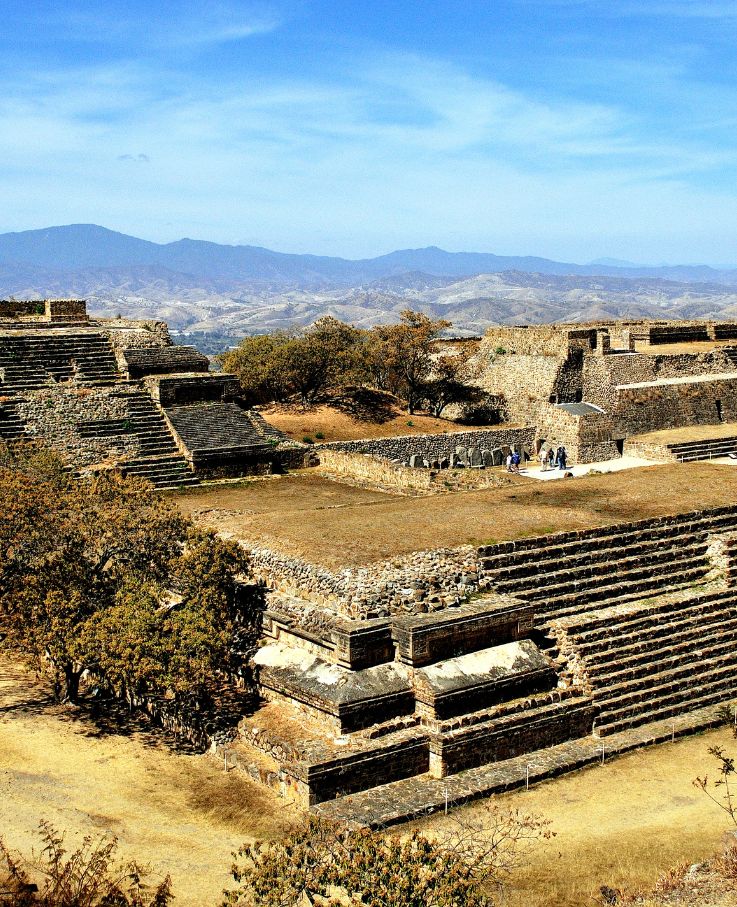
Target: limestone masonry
(389, 689)
(117, 394)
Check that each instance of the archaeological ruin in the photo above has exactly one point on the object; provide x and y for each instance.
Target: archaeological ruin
(395, 686)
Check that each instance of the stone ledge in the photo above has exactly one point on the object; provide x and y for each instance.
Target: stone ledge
(401, 801)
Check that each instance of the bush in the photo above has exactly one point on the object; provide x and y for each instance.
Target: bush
(325, 862)
(87, 877)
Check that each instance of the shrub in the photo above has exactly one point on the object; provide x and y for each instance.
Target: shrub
(87, 877)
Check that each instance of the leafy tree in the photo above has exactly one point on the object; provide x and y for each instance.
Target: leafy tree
(263, 365)
(406, 352)
(325, 355)
(86, 877)
(271, 367)
(105, 576)
(332, 863)
(446, 385)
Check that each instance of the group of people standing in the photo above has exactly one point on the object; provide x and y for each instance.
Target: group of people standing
(553, 458)
(514, 458)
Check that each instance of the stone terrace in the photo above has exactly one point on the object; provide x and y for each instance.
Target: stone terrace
(338, 526)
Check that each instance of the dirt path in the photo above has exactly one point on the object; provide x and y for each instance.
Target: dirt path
(177, 811)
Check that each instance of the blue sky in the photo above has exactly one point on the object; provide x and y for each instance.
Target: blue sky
(572, 129)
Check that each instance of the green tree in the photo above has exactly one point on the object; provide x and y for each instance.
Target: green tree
(106, 576)
(263, 366)
(405, 351)
(324, 356)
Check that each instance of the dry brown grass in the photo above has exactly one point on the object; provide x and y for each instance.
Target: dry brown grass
(351, 423)
(177, 811)
(623, 824)
(689, 433)
(677, 349)
(335, 524)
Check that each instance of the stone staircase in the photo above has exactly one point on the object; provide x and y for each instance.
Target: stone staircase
(266, 430)
(659, 660)
(707, 449)
(12, 427)
(159, 459)
(731, 353)
(574, 573)
(216, 430)
(30, 362)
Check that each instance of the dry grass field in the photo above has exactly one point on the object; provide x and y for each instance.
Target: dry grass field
(619, 824)
(334, 524)
(177, 811)
(355, 422)
(689, 433)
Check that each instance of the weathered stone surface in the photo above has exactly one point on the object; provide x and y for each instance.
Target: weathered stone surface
(479, 679)
(353, 699)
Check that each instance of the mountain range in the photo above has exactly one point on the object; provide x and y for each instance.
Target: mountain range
(226, 291)
(87, 246)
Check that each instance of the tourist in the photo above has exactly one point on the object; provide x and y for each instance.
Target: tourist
(543, 459)
(509, 461)
(562, 457)
(551, 458)
(516, 460)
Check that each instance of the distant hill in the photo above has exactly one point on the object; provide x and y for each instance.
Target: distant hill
(84, 246)
(214, 294)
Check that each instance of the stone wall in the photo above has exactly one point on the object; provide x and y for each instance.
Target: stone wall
(649, 407)
(65, 418)
(176, 390)
(420, 582)
(435, 447)
(378, 473)
(126, 334)
(587, 439)
(21, 308)
(602, 375)
(540, 339)
(66, 309)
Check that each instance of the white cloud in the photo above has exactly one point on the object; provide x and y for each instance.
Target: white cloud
(407, 151)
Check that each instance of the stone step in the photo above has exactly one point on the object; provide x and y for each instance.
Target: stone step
(511, 735)
(572, 605)
(649, 652)
(711, 665)
(602, 589)
(602, 649)
(705, 454)
(554, 547)
(604, 618)
(569, 577)
(401, 801)
(686, 446)
(607, 624)
(657, 710)
(534, 568)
